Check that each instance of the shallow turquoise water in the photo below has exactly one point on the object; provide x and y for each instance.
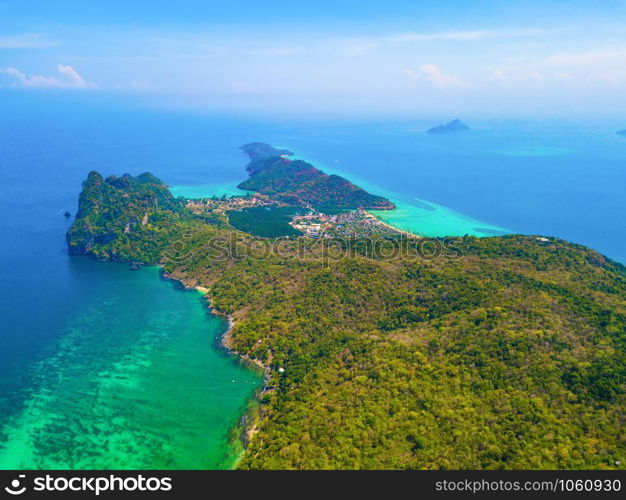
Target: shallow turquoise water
(430, 219)
(421, 217)
(208, 190)
(418, 216)
(134, 382)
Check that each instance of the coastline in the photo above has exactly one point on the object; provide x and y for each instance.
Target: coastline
(413, 215)
(249, 416)
(161, 340)
(408, 234)
(207, 190)
(248, 422)
(246, 425)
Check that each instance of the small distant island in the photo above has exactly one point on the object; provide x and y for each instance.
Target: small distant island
(452, 127)
(258, 150)
(297, 182)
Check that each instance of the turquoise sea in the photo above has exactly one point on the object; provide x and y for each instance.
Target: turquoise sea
(133, 381)
(103, 367)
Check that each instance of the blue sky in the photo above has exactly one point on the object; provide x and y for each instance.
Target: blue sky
(501, 58)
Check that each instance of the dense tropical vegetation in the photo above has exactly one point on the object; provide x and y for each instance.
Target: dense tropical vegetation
(298, 182)
(267, 222)
(124, 218)
(504, 352)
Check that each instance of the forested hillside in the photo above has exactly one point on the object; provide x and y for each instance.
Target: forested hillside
(505, 352)
(511, 356)
(298, 182)
(124, 218)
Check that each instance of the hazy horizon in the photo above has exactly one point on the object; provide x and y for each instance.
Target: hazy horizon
(497, 59)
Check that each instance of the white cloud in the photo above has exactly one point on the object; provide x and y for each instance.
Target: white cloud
(360, 46)
(72, 76)
(364, 44)
(418, 37)
(68, 79)
(31, 81)
(433, 74)
(587, 59)
(25, 41)
(563, 76)
(611, 78)
(518, 75)
(276, 51)
(580, 69)
(140, 85)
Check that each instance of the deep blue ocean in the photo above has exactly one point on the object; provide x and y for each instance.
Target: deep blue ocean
(558, 178)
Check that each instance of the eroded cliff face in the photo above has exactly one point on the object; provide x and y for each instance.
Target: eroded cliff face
(116, 213)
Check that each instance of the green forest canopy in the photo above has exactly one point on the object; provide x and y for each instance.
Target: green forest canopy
(503, 352)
